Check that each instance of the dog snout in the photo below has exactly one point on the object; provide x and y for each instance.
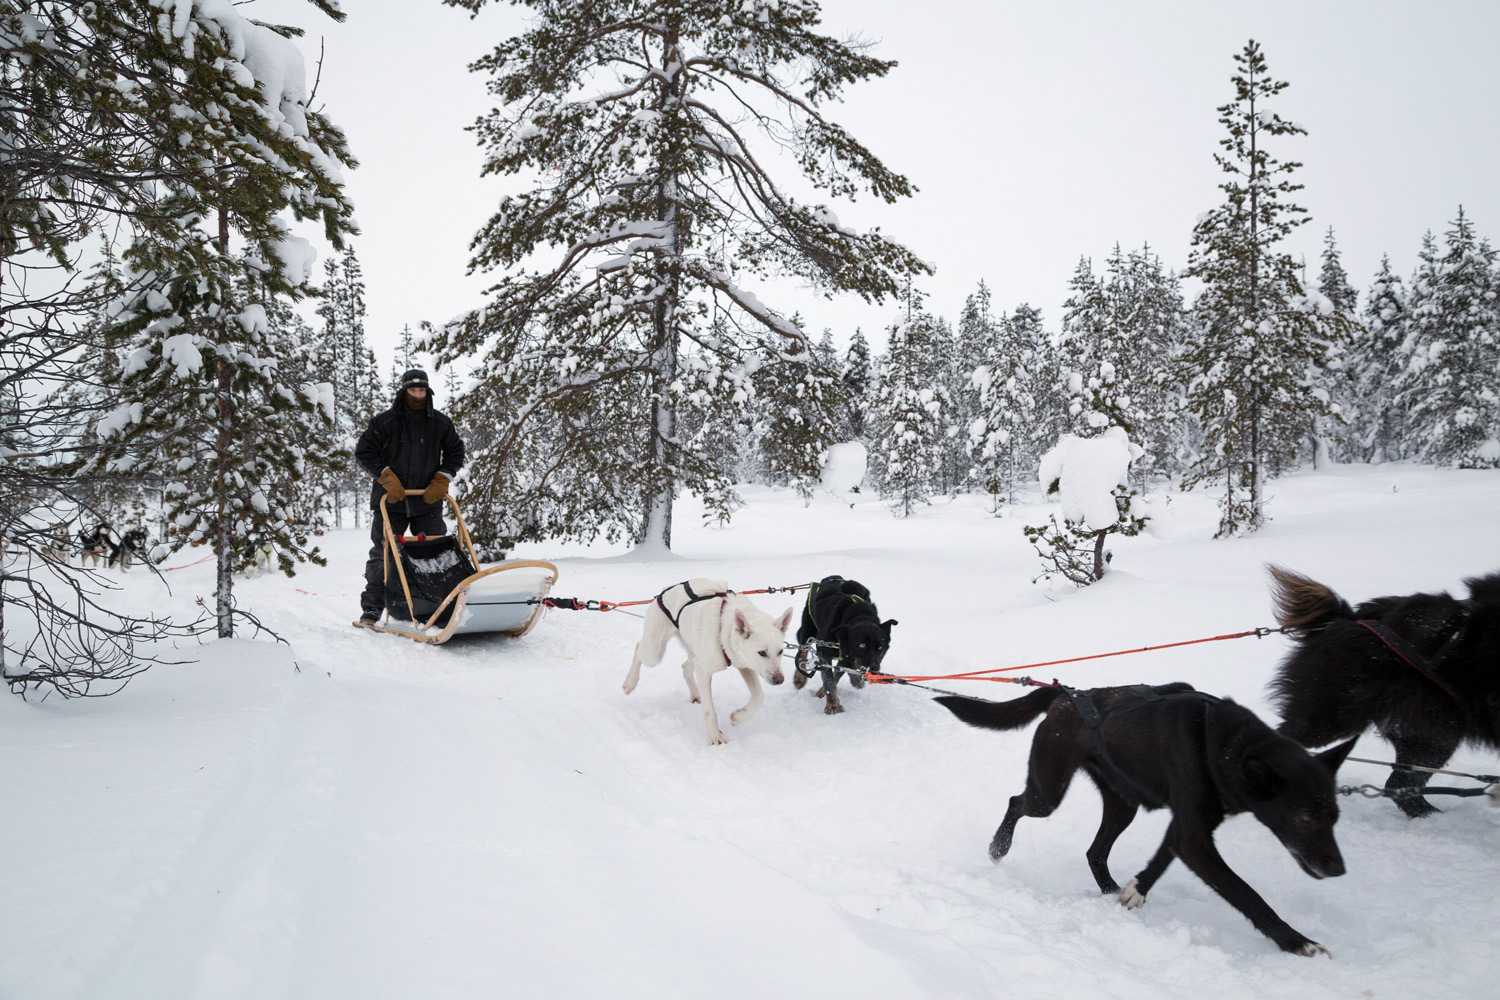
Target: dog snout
(1321, 865)
(777, 678)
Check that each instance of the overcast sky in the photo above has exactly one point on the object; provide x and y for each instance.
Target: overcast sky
(1036, 132)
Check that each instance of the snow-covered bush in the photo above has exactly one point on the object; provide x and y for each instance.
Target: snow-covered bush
(1089, 477)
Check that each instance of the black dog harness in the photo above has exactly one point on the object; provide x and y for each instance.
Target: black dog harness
(692, 599)
(1093, 720)
(812, 599)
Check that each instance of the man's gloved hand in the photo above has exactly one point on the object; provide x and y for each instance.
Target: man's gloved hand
(437, 489)
(394, 491)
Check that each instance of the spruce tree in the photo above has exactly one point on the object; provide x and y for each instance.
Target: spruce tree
(1451, 353)
(1260, 341)
(911, 422)
(1341, 301)
(643, 121)
(1087, 318)
(1150, 327)
(201, 394)
(1333, 280)
(976, 331)
(1009, 375)
(1375, 368)
(856, 377)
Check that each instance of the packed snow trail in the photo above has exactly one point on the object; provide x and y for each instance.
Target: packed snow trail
(494, 817)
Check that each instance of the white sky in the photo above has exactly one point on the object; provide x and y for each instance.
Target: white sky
(1036, 132)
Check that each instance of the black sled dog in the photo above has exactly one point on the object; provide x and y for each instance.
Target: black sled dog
(1202, 757)
(1423, 669)
(846, 628)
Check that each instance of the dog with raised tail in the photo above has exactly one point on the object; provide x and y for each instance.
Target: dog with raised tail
(1169, 746)
(719, 629)
(1422, 669)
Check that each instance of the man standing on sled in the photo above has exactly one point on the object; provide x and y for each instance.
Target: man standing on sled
(409, 446)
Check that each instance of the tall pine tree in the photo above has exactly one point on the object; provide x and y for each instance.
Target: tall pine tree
(203, 394)
(1260, 342)
(634, 115)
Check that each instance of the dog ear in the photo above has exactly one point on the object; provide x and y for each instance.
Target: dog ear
(1334, 756)
(785, 621)
(741, 625)
(1262, 782)
(887, 625)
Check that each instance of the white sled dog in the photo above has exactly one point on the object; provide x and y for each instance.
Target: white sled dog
(719, 629)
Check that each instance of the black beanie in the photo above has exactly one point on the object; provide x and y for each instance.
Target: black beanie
(415, 378)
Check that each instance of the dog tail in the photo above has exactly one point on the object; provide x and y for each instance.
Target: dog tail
(1484, 588)
(1011, 714)
(1303, 605)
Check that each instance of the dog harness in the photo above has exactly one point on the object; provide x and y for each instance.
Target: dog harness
(812, 598)
(1093, 721)
(692, 598)
(1409, 653)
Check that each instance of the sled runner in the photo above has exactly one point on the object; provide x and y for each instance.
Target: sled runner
(434, 588)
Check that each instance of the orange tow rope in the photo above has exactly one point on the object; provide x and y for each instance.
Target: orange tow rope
(979, 675)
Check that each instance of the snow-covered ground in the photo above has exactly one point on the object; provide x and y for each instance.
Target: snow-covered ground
(494, 817)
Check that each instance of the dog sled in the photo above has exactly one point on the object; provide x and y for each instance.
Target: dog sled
(435, 588)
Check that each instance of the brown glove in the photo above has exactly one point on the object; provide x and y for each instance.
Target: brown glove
(394, 491)
(437, 489)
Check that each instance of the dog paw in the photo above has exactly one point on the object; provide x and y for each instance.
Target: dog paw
(1131, 898)
(832, 708)
(799, 680)
(1312, 950)
(716, 739)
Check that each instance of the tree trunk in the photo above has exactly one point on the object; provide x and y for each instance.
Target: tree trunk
(224, 591)
(656, 528)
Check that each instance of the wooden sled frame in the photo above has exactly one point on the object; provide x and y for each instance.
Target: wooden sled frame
(459, 595)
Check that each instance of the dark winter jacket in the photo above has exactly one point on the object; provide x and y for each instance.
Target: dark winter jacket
(414, 444)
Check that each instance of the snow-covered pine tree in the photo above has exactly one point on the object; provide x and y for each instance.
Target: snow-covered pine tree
(1448, 387)
(1088, 315)
(346, 362)
(856, 376)
(1376, 363)
(1001, 435)
(973, 339)
(1260, 341)
(910, 427)
(1047, 388)
(405, 349)
(1333, 280)
(1150, 327)
(203, 391)
(952, 381)
(799, 403)
(642, 121)
(1337, 376)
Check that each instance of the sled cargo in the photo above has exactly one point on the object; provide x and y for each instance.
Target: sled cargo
(435, 588)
